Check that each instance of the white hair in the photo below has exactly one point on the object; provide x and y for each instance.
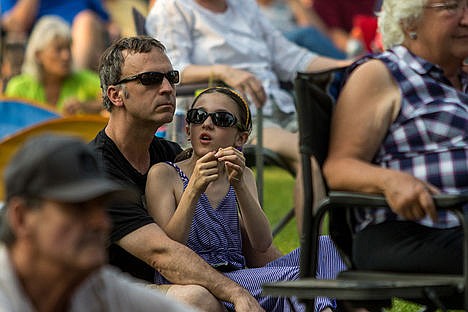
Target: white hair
(46, 29)
(395, 16)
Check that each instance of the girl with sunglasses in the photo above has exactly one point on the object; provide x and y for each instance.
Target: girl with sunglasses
(208, 201)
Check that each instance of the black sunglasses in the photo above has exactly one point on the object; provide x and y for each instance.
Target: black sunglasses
(220, 119)
(153, 78)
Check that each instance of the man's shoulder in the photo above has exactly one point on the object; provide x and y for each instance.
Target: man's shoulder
(104, 147)
(109, 156)
(164, 150)
(11, 296)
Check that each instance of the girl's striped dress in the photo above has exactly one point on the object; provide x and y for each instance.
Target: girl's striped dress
(215, 236)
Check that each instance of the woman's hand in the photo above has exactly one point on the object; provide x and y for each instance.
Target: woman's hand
(234, 162)
(410, 197)
(71, 106)
(246, 82)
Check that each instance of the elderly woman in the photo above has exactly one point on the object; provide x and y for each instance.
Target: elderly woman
(400, 129)
(47, 75)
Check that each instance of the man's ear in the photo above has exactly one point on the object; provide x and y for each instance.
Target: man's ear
(115, 94)
(18, 216)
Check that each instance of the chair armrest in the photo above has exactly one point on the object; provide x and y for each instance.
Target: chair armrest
(442, 201)
(336, 204)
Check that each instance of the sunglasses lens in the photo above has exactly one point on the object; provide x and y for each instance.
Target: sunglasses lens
(196, 116)
(224, 119)
(151, 78)
(220, 119)
(173, 76)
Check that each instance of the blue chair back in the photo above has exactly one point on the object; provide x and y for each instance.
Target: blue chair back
(17, 114)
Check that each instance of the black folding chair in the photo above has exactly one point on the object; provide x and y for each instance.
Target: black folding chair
(316, 94)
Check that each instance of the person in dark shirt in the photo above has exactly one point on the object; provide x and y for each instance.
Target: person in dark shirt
(339, 17)
(138, 86)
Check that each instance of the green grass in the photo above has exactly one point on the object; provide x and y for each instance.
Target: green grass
(278, 199)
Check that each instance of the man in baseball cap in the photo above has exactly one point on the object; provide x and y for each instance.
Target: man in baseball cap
(54, 234)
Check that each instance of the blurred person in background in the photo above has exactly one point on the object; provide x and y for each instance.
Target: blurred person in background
(300, 25)
(54, 232)
(47, 74)
(91, 26)
(340, 16)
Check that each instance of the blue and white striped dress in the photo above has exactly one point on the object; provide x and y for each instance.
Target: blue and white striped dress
(215, 236)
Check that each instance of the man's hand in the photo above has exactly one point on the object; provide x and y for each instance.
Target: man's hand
(246, 303)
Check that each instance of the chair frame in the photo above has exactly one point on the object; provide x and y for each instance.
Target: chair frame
(84, 126)
(372, 290)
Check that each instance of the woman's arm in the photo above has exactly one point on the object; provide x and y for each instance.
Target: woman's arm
(366, 108)
(241, 80)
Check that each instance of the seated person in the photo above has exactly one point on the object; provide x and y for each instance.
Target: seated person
(138, 84)
(54, 232)
(208, 201)
(251, 57)
(400, 129)
(300, 25)
(339, 15)
(92, 28)
(47, 74)
(12, 56)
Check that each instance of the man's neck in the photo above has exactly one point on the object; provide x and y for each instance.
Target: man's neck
(48, 287)
(133, 142)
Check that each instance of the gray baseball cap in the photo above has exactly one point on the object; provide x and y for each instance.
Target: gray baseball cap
(61, 168)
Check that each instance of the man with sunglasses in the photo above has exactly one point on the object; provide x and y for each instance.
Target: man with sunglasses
(138, 86)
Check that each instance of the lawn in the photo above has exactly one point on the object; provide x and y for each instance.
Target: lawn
(278, 199)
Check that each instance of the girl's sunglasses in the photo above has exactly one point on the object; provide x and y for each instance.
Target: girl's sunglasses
(153, 78)
(220, 119)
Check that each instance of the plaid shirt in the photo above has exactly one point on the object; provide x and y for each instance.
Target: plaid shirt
(429, 137)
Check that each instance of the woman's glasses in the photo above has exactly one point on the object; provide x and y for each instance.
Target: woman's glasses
(153, 78)
(451, 7)
(220, 119)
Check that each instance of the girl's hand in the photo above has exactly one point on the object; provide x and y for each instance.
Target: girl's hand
(234, 162)
(205, 171)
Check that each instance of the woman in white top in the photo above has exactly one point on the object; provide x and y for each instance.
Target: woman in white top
(233, 42)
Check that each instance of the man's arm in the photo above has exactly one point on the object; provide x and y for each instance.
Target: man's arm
(182, 266)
